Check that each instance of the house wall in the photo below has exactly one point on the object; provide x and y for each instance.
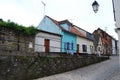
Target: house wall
(116, 10)
(71, 38)
(48, 25)
(82, 41)
(55, 42)
(116, 4)
(118, 31)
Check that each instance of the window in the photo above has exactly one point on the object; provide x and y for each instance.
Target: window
(84, 47)
(66, 45)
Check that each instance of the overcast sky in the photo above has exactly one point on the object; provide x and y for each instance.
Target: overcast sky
(79, 12)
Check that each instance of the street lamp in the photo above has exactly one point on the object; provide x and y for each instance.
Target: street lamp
(95, 6)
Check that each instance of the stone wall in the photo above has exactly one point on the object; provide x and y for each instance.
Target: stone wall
(11, 40)
(28, 68)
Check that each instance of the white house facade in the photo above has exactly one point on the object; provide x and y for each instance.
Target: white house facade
(85, 41)
(85, 45)
(47, 42)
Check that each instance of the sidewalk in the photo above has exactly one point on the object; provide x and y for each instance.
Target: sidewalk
(99, 71)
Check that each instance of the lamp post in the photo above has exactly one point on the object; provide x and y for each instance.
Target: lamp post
(95, 6)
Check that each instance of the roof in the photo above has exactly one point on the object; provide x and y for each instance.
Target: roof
(105, 32)
(73, 30)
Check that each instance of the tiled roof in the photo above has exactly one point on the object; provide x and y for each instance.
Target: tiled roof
(104, 32)
(73, 30)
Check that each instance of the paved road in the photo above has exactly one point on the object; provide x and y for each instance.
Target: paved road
(101, 71)
(115, 75)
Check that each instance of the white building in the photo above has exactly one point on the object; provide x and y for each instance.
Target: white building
(85, 41)
(47, 42)
(116, 11)
(85, 45)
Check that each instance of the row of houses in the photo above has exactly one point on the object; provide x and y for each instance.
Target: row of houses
(58, 36)
(63, 36)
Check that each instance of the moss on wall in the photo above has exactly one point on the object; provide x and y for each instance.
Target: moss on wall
(28, 68)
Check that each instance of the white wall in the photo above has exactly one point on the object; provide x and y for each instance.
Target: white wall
(87, 42)
(118, 41)
(117, 12)
(55, 42)
(116, 4)
(39, 44)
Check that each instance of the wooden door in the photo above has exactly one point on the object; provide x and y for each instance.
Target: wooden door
(47, 45)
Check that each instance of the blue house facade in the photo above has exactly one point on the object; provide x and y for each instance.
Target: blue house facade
(69, 39)
(69, 42)
(49, 25)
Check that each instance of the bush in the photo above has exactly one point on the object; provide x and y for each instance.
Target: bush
(30, 30)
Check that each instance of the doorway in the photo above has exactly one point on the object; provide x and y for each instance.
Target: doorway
(47, 45)
(77, 48)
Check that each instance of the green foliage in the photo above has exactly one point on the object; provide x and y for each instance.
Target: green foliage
(31, 30)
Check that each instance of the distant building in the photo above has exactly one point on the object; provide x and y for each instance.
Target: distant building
(104, 43)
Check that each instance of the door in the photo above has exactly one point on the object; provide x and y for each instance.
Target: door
(47, 45)
(77, 48)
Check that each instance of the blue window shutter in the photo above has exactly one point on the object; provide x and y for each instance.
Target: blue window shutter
(68, 45)
(72, 46)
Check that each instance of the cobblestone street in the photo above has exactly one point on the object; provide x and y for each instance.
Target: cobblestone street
(115, 75)
(107, 70)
